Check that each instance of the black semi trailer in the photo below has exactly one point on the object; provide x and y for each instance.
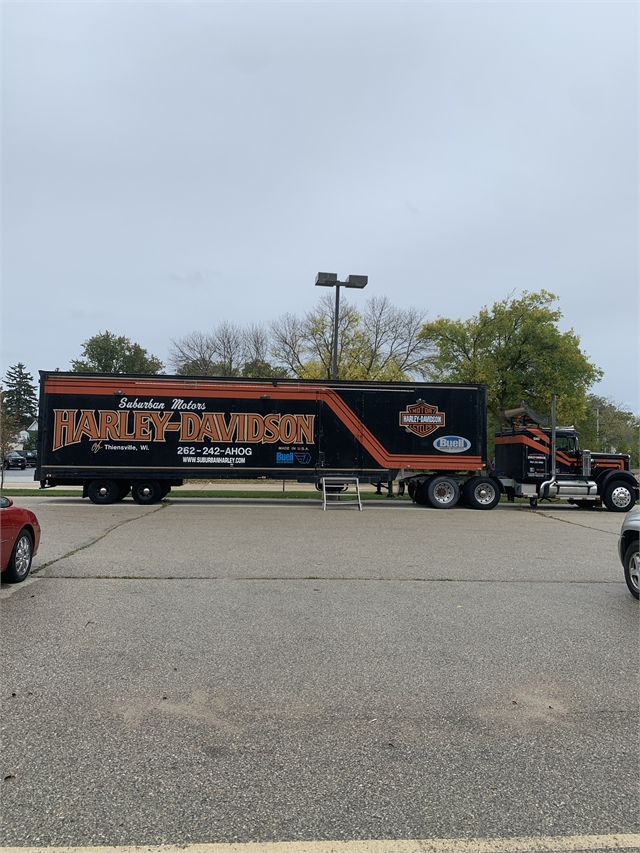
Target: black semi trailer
(114, 434)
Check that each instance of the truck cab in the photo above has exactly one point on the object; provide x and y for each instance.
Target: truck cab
(523, 451)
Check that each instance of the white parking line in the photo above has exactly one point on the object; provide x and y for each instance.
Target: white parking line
(529, 844)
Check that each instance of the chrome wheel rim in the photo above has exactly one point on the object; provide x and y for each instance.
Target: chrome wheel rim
(634, 571)
(621, 497)
(23, 556)
(444, 493)
(484, 493)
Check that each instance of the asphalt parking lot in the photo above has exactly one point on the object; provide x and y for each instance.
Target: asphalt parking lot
(211, 671)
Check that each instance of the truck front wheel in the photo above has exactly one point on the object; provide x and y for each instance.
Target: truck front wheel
(443, 492)
(103, 491)
(618, 496)
(481, 493)
(146, 492)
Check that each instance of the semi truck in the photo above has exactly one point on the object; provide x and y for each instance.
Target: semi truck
(116, 434)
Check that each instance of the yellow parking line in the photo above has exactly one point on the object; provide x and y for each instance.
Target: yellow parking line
(530, 844)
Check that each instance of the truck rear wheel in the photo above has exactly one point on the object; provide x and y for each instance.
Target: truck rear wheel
(145, 492)
(103, 491)
(420, 492)
(618, 496)
(443, 492)
(481, 493)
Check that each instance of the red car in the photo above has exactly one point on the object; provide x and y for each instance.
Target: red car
(20, 533)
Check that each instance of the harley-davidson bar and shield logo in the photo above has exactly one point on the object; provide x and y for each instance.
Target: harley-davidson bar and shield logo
(422, 419)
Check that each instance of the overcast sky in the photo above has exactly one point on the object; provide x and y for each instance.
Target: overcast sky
(170, 165)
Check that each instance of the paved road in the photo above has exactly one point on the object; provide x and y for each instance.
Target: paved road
(211, 671)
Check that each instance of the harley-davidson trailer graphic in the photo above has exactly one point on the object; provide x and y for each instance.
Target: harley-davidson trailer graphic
(114, 434)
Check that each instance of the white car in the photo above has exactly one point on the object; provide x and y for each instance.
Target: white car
(628, 550)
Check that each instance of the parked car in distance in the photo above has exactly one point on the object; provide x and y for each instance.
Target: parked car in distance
(30, 456)
(14, 459)
(628, 550)
(20, 537)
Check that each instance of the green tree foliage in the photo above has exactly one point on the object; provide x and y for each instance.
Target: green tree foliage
(606, 426)
(9, 431)
(20, 398)
(378, 343)
(517, 350)
(109, 353)
(263, 370)
(31, 443)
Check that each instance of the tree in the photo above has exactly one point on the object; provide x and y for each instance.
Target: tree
(517, 350)
(108, 353)
(256, 354)
(216, 353)
(20, 398)
(263, 370)
(9, 431)
(193, 355)
(31, 442)
(379, 343)
(607, 427)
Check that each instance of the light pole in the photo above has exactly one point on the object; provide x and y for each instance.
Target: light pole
(330, 279)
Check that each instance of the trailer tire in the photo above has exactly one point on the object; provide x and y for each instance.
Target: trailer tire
(618, 496)
(21, 556)
(103, 491)
(482, 493)
(146, 492)
(442, 492)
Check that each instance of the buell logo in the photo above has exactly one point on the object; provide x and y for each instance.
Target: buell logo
(422, 419)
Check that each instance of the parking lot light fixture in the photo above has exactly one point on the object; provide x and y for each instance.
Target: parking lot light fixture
(330, 279)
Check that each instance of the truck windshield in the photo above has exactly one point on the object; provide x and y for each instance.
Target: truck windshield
(567, 443)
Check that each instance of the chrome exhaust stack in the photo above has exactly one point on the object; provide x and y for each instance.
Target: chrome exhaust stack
(546, 487)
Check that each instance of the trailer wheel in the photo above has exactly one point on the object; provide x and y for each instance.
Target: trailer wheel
(411, 488)
(146, 492)
(481, 493)
(632, 568)
(103, 491)
(443, 492)
(618, 496)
